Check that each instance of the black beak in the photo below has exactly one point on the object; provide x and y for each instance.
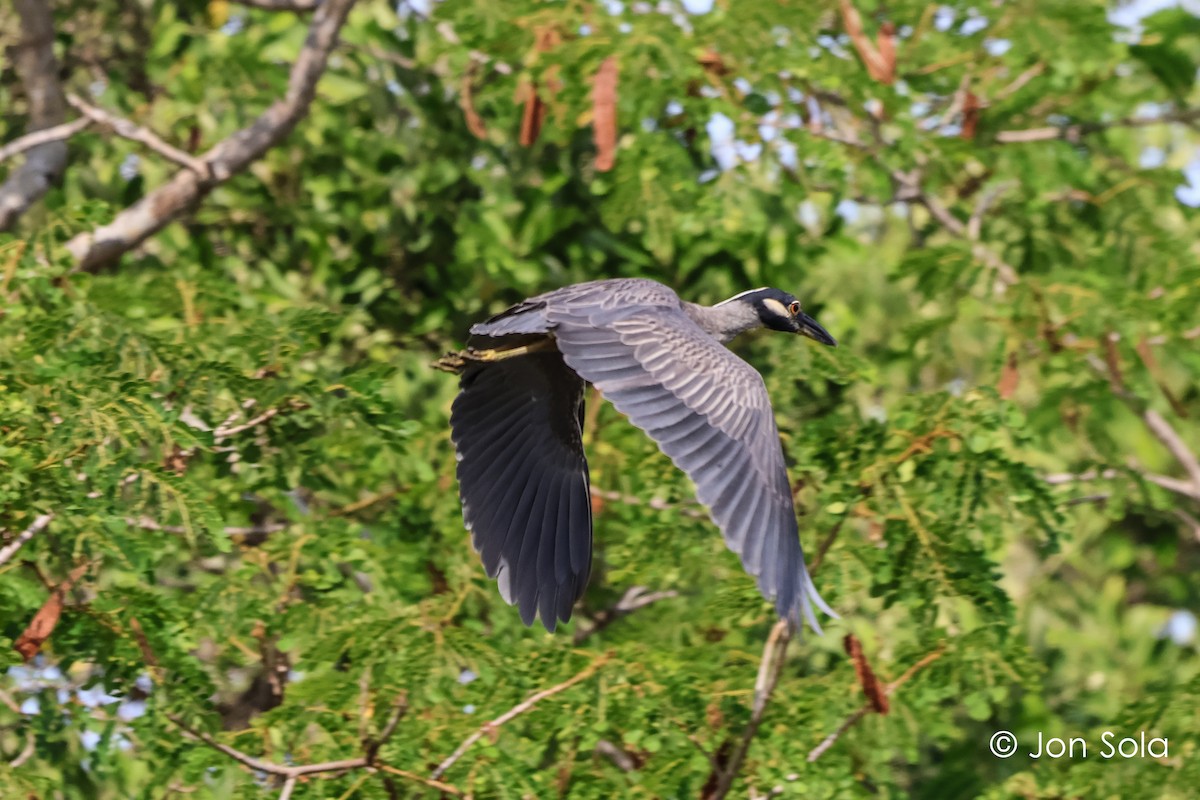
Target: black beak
(813, 330)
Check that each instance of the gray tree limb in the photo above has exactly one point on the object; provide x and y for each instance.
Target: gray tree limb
(135, 133)
(33, 58)
(95, 249)
(10, 549)
(32, 140)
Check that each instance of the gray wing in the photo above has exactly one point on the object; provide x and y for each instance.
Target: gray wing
(710, 413)
(523, 480)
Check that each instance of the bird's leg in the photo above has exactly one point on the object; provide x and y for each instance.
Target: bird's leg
(457, 362)
(501, 353)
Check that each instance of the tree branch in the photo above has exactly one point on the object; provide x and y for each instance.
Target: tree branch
(769, 670)
(299, 6)
(653, 502)
(10, 549)
(30, 740)
(1174, 443)
(910, 191)
(1162, 430)
(147, 524)
(635, 597)
(32, 140)
(515, 711)
(861, 712)
(1175, 485)
(290, 773)
(131, 227)
(35, 64)
(1074, 133)
(135, 133)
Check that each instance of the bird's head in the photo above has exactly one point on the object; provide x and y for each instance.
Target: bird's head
(781, 311)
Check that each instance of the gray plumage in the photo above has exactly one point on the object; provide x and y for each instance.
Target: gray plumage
(517, 429)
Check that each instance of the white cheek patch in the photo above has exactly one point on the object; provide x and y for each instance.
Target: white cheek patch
(777, 307)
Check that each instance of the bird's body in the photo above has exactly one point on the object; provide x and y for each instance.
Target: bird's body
(517, 429)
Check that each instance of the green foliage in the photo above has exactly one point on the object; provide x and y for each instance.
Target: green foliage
(247, 455)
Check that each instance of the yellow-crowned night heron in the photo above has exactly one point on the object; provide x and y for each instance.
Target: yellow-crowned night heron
(516, 426)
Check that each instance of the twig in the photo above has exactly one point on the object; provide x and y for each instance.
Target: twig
(982, 205)
(291, 773)
(1190, 521)
(299, 6)
(515, 711)
(93, 250)
(225, 430)
(826, 543)
(1020, 81)
(135, 133)
(399, 709)
(769, 670)
(35, 64)
(829, 740)
(635, 597)
(1164, 481)
(888, 690)
(10, 549)
(430, 782)
(1074, 133)
(910, 191)
(1158, 426)
(30, 740)
(1172, 441)
(654, 503)
(147, 524)
(37, 138)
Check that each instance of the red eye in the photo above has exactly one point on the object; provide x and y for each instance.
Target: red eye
(794, 307)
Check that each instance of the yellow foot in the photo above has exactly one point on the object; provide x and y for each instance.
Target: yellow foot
(451, 362)
(457, 362)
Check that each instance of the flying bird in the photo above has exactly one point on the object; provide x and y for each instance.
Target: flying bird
(661, 361)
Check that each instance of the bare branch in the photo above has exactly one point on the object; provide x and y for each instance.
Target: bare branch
(1074, 133)
(441, 786)
(635, 597)
(654, 502)
(299, 6)
(225, 430)
(131, 227)
(1174, 443)
(399, 709)
(1162, 430)
(30, 740)
(33, 58)
(1020, 81)
(515, 711)
(135, 133)
(1166, 482)
(910, 191)
(147, 524)
(769, 670)
(10, 549)
(32, 140)
(983, 205)
(861, 712)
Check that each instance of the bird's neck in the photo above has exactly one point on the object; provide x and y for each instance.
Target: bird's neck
(724, 321)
